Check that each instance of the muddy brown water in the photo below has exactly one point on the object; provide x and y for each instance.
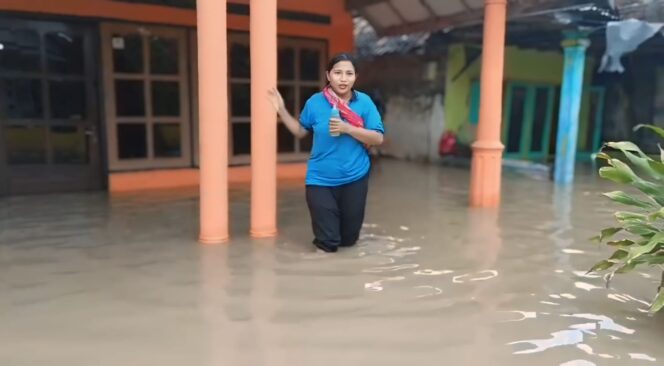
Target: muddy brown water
(87, 279)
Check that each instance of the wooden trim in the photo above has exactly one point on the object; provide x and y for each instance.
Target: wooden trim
(296, 83)
(193, 96)
(184, 120)
(50, 176)
(584, 151)
(466, 5)
(527, 126)
(359, 4)
(432, 13)
(396, 12)
(599, 117)
(549, 121)
(182, 178)
(4, 176)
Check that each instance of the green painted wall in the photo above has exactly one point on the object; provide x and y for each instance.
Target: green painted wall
(521, 65)
(457, 87)
(533, 66)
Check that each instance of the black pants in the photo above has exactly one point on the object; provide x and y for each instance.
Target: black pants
(337, 213)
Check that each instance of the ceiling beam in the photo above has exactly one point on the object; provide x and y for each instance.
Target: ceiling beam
(434, 24)
(396, 11)
(520, 9)
(372, 21)
(424, 26)
(356, 5)
(428, 8)
(465, 5)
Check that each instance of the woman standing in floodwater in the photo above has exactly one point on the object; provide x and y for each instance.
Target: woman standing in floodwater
(345, 122)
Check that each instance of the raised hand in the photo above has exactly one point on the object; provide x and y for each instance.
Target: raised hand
(276, 99)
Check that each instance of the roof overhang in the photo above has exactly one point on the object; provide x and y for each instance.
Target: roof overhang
(396, 17)
(648, 10)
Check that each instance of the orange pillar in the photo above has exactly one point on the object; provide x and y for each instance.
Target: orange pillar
(263, 41)
(213, 121)
(488, 150)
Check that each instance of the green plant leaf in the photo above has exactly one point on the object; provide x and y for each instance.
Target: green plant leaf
(647, 175)
(657, 167)
(641, 229)
(607, 233)
(624, 146)
(655, 129)
(639, 250)
(643, 163)
(627, 267)
(623, 216)
(652, 259)
(603, 156)
(620, 243)
(601, 266)
(625, 199)
(656, 215)
(618, 255)
(655, 191)
(658, 303)
(614, 174)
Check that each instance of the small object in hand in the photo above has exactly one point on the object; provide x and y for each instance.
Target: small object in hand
(335, 116)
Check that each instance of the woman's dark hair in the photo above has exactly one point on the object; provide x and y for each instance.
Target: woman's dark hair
(341, 57)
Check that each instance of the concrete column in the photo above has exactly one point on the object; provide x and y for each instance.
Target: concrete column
(571, 93)
(488, 150)
(263, 41)
(213, 121)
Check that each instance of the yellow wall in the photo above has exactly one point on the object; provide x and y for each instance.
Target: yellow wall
(457, 91)
(520, 65)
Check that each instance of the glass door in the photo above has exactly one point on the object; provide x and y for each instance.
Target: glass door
(48, 108)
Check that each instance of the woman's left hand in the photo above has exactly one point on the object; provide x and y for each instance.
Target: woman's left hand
(340, 127)
(367, 137)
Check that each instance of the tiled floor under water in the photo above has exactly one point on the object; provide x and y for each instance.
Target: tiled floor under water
(88, 279)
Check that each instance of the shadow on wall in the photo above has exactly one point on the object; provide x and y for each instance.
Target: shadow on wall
(414, 126)
(408, 90)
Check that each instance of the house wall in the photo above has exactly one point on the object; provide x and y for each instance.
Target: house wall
(521, 65)
(635, 97)
(338, 35)
(411, 88)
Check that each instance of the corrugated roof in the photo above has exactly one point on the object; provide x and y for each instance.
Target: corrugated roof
(394, 17)
(648, 10)
(369, 43)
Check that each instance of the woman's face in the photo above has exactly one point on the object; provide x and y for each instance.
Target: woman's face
(342, 77)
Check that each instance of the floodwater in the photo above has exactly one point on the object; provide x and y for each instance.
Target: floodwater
(90, 280)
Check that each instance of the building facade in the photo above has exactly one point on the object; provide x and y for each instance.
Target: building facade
(103, 94)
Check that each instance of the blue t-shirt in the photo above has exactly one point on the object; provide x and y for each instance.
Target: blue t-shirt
(336, 161)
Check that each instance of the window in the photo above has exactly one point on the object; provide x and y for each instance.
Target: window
(48, 107)
(44, 104)
(148, 121)
(301, 73)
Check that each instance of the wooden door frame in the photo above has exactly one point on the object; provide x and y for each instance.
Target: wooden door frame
(109, 77)
(529, 119)
(586, 155)
(4, 173)
(90, 174)
(296, 156)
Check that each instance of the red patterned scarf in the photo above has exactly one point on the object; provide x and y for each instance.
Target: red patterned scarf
(346, 113)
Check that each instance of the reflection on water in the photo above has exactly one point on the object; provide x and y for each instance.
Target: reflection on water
(431, 281)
